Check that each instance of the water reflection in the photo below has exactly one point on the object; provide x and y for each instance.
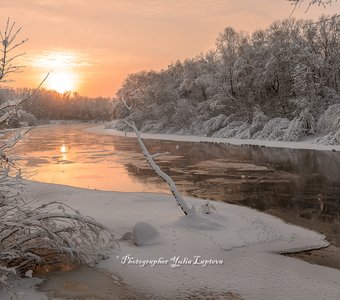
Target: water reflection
(63, 149)
(302, 181)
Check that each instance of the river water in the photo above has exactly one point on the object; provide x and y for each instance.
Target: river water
(302, 183)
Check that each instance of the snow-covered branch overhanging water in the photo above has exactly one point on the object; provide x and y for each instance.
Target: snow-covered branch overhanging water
(150, 159)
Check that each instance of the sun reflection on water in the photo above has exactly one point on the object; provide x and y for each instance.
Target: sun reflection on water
(63, 149)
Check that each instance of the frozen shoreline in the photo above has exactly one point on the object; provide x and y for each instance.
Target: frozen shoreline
(244, 239)
(308, 144)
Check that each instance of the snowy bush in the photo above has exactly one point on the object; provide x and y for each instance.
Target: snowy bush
(244, 132)
(330, 120)
(235, 129)
(214, 124)
(206, 208)
(300, 126)
(294, 131)
(197, 128)
(183, 113)
(332, 138)
(329, 124)
(47, 234)
(274, 130)
(22, 118)
(259, 121)
(30, 236)
(152, 126)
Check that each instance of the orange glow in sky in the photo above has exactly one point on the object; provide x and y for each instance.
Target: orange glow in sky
(91, 46)
(61, 82)
(64, 68)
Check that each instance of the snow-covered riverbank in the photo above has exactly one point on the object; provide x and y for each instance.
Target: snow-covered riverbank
(231, 250)
(307, 144)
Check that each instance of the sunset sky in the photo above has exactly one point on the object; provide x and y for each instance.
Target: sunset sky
(92, 45)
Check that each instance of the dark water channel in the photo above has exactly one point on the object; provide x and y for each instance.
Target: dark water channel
(302, 186)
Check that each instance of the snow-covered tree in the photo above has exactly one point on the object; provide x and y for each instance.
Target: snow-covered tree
(46, 233)
(283, 71)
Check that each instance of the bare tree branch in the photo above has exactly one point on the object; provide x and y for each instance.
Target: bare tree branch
(7, 46)
(323, 3)
(150, 159)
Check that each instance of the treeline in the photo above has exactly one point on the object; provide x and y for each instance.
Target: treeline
(50, 105)
(276, 83)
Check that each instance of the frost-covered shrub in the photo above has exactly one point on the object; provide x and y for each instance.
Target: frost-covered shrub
(259, 121)
(294, 131)
(183, 114)
(152, 126)
(274, 130)
(31, 236)
(300, 126)
(233, 129)
(332, 138)
(244, 132)
(118, 125)
(207, 208)
(214, 124)
(196, 127)
(307, 122)
(330, 120)
(22, 118)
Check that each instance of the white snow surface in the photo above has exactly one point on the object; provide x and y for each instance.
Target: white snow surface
(305, 144)
(244, 239)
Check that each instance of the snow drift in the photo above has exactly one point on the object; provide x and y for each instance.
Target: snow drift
(228, 250)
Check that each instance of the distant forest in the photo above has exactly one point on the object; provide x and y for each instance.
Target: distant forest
(280, 83)
(48, 105)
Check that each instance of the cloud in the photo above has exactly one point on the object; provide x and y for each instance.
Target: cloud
(59, 59)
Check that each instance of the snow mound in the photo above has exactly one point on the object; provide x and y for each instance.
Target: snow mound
(145, 234)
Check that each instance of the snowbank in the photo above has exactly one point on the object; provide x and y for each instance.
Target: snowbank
(230, 250)
(306, 144)
(324, 130)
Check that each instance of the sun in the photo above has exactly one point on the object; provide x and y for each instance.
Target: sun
(62, 81)
(64, 68)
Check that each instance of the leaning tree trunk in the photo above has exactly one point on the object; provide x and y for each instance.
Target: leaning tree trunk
(150, 159)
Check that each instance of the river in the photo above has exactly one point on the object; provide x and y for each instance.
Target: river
(302, 186)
